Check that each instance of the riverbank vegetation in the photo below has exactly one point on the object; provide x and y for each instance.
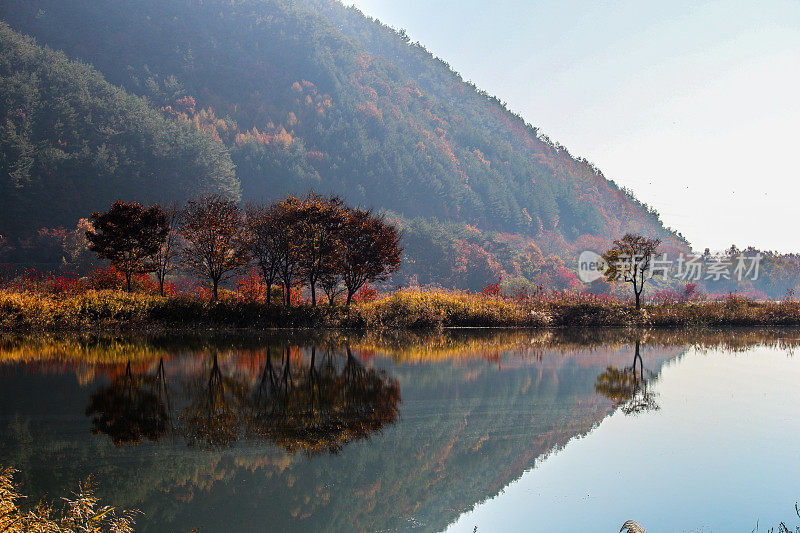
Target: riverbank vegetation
(313, 262)
(91, 309)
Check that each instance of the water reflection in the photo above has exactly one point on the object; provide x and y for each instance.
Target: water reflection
(393, 430)
(323, 407)
(313, 406)
(626, 388)
(131, 408)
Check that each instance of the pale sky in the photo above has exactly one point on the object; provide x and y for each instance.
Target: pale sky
(693, 105)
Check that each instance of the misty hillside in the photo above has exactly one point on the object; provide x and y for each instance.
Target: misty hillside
(311, 94)
(71, 143)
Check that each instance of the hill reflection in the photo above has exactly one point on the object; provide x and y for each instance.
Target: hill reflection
(327, 432)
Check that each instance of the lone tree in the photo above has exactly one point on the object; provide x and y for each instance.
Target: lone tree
(369, 250)
(625, 388)
(629, 260)
(217, 243)
(129, 236)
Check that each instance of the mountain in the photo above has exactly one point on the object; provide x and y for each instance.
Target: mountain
(71, 143)
(312, 94)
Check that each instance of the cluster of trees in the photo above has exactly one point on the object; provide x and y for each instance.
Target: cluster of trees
(332, 101)
(315, 240)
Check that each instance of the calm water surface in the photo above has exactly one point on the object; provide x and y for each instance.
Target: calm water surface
(514, 431)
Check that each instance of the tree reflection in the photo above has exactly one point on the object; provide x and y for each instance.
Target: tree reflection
(313, 407)
(131, 408)
(626, 388)
(216, 409)
(324, 407)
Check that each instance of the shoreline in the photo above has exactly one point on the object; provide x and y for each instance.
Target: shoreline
(118, 312)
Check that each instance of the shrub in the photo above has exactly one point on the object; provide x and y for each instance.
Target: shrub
(367, 293)
(110, 278)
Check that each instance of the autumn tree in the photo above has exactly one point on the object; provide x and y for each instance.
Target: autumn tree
(369, 250)
(129, 236)
(323, 407)
(165, 260)
(267, 245)
(217, 244)
(475, 267)
(331, 282)
(629, 260)
(287, 214)
(319, 227)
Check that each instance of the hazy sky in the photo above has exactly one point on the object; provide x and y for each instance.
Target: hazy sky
(693, 105)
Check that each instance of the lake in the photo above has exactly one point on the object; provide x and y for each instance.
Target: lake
(534, 431)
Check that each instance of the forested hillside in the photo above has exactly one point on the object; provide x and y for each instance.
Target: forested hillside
(312, 94)
(70, 143)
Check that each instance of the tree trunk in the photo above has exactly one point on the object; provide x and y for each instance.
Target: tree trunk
(214, 295)
(161, 285)
(128, 275)
(313, 286)
(349, 297)
(638, 300)
(268, 283)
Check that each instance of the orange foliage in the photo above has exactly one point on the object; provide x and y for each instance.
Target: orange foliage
(371, 110)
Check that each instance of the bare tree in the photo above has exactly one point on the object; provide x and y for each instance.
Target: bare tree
(217, 242)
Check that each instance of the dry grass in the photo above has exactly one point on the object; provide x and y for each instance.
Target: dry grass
(410, 309)
(80, 513)
(437, 308)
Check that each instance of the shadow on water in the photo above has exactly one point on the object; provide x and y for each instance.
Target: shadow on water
(326, 432)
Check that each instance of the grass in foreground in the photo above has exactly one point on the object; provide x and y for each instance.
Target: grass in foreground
(82, 512)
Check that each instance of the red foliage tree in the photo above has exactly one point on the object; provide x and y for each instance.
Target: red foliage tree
(129, 236)
(369, 250)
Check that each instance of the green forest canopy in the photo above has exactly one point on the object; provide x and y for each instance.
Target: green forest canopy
(70, 143)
